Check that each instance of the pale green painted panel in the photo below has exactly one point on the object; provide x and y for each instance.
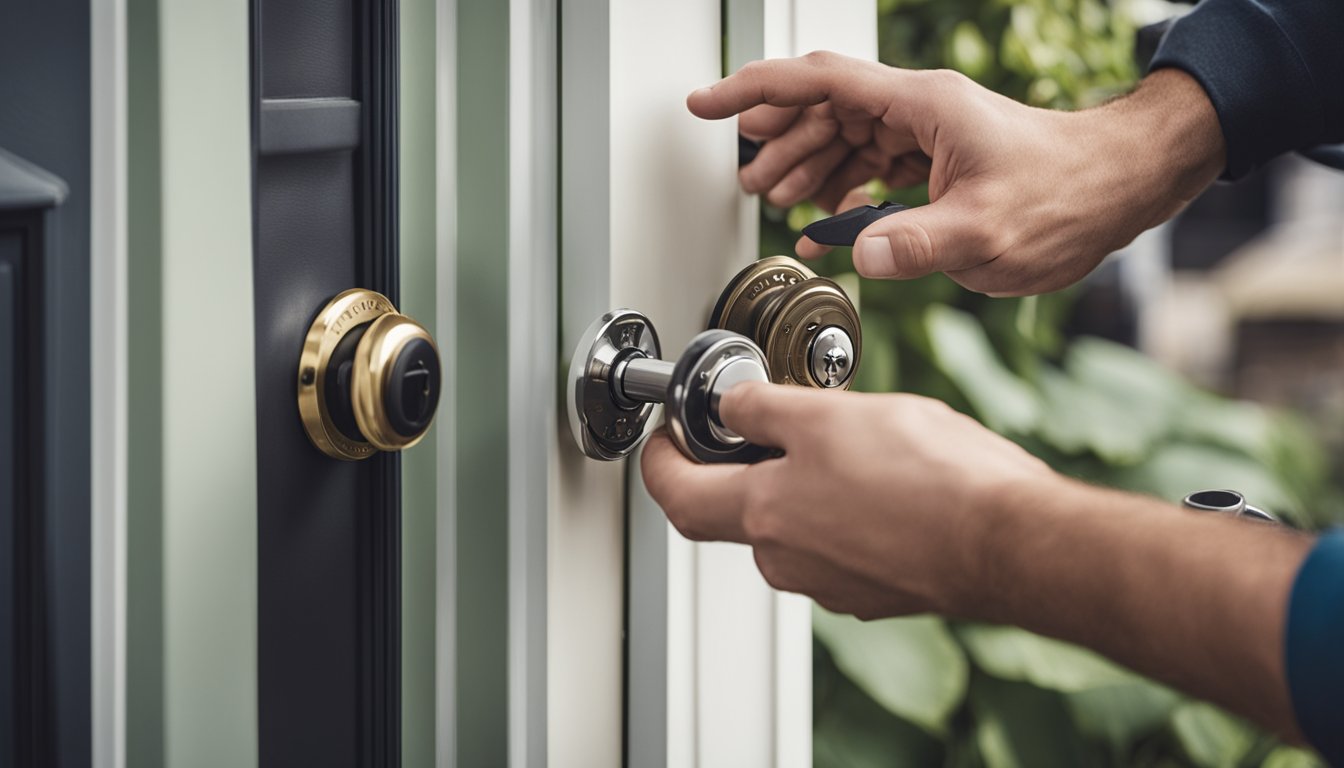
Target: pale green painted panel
(144, 392)
(209, 441)
(419, 465)
(481, 415)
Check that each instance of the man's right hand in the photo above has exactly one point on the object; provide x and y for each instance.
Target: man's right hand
(1023, 200)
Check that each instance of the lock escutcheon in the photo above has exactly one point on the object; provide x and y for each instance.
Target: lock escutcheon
(806, 324)
(369, 377)
(616, 378)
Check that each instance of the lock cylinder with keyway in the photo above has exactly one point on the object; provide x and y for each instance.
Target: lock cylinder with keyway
(806, 324)
(369, 378)
(617, 377)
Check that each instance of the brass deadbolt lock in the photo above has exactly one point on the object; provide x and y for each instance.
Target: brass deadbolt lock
(369, 377)
(807, 326)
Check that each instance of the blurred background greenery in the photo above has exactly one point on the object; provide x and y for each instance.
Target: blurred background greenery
(924, 691)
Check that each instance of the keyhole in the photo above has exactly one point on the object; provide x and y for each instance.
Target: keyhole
(415, 391)
(836, 361)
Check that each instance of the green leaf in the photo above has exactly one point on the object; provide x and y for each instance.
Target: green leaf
(968, 51)
(1289, 757)
(1122, 714)
(1232, 424)
(1080, 418)
(803, 214)
(879, 366)
(850, 730)
(1019, 726)
(962, 351)
(1015, 654)
(1150, 396)
(1174, 471)
(1211, 737)
(911, 666)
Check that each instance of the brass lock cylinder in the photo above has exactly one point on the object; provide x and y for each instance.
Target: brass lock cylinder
(806, 324)
(369, 377)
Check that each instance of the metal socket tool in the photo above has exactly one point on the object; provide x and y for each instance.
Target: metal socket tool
(617, 377)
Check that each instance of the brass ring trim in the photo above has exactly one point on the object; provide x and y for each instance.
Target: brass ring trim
(349, 309)
(802, 314)
(742, 302)
(374, 361)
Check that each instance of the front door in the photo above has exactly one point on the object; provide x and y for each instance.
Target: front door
(324, 221)
(275, 375)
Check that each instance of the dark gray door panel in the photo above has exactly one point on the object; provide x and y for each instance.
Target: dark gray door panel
(324, 142)
(45, 120)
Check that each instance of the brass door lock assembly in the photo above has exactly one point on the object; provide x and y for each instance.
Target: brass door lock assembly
(776, 321)
(806, 324)
(369, 377)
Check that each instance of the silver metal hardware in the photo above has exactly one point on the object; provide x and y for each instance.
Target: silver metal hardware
(616, 377)
(1228, 502)
(831, 354)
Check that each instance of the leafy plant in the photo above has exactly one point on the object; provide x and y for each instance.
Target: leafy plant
(922, 691)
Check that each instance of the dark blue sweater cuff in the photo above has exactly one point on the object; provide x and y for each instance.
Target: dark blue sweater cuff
(1314, 647)
(1245, 54)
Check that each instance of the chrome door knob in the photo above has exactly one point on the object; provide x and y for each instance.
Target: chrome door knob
(369, 377)
(806, 324)
(616, 377)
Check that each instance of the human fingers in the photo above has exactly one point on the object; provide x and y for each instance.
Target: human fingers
(813, 132)
(703, 501)
(764, 122)
(807, 177)
(767, 414)
(801, 81)
(944, 236)
(856, 198)
(862, 165)
(908, 170)
(807, 248)
(831, 585)
(894, 141)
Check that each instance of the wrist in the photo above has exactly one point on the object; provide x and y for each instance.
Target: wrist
(1163, 145)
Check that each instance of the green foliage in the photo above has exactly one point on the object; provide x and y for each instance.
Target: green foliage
(911, 667)
(920, 691)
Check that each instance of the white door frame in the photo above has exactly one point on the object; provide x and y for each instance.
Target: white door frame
(718, 666)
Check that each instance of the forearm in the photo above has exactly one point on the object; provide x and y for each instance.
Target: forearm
(1193, 599)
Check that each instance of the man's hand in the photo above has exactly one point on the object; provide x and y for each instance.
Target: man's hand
(1024, 200)
(878, 507)
(892, 504)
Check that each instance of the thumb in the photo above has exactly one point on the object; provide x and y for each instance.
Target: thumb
(764, 414)
(943, 236)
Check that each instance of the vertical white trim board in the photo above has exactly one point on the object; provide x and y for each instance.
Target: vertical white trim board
(533, 294)
(107, 336)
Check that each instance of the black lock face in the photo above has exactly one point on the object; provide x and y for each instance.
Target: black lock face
(413, 388)
(338, 388)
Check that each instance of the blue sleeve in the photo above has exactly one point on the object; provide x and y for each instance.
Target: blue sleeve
(1274, 70)
(1314, 646)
